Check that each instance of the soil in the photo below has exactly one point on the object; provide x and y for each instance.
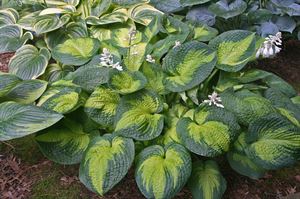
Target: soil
(18, 178)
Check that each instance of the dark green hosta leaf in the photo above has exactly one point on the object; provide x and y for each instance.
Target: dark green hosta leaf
(119, 15)
(64, 143)
(105, 162)
(48, 23)
(241, 163)
(206, 180)
(76, 51)
(21, 91)
(143, 13)
(246, 105)
(12, 38)
(210, 133)
(125, 82)
(228, 9)
(20, 120)
(274, 142)
(259, 16)
(62, 96)
(234, 49)
(8, 16)
(188, 65)
(29, 62)
(101, 106)
(138, 116)
(162, 172)
(126, 3)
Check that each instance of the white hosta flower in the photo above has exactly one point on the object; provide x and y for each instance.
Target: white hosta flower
(132, 34)
(150, 59)
(214, 99)
(270, 46)
(107, 60)
(177, 43)
(117, 66)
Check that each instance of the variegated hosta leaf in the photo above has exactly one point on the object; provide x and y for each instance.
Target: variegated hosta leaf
(274, 142)
(8, 16)
(117, 16)
(21, 91)
(155, 78)
(20, 120)
(241, 163)
(62, 96)
(12, 38)
(48, 23)
(210, 133)
(67, 9)
(188, 65)
(64, 143)
(125, 82)
(55, 72)
(27, 22)
(105, 162)
(76, 51)
(162, 172)
(204, 32)
(72, 30)
(234, 49)
(138, 116)
(29, 62)
(206, 180)
(143, 13)
(246, 105)
(101, 106)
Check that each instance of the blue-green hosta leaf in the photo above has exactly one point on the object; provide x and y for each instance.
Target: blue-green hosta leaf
(138, 116)
(8, 16)
(167, 6)
(206, 180)
(267, 28)
(105, 162)
(119, 15)
(62, 96)
(72, 30)
(29, 62)
(55, 72)
(274, 142)
(228, 9)
(125, 82)
(21, 91)
(162, 172)
(192, 2)
(285, 23)
(64, 142)
(188, 65)
(204, 32)
(76, 51)
(101, 106)
(12, 38)
(201, 15)
(246, 106)
(20, 120)
(234, 49)
(48, 23)
(241, 163)
(210, 133)
(143, 13)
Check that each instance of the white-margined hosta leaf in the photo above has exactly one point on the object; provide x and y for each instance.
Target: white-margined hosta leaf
(246, 105)
(76, 51)
(55, 72)
(143, 13)
(29, 62)
(161, 172)
(228, 9)
(18, 120)
(101, 106)
(21, 91)
(62, 96)
(125, 82)
(64, 142)
(105, 162)
(12, 38)
(8, 16)
(119, 15)
(234, 49)
(48, 23)
(27, 21)
(61, 2)
(138, 116)
(72, 30)
(241, 163)
(274, 142)
(210, 133)
(206, 180)
(188, 65)
(67, 9)
(99, 7)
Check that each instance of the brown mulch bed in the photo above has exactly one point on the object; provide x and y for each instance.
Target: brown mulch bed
(4, 59)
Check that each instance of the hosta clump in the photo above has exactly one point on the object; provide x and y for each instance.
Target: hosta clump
(114, 85)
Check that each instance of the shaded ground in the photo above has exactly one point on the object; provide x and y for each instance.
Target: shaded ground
(25, 173)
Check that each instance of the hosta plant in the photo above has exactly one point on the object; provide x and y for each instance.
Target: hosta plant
(114, 85)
